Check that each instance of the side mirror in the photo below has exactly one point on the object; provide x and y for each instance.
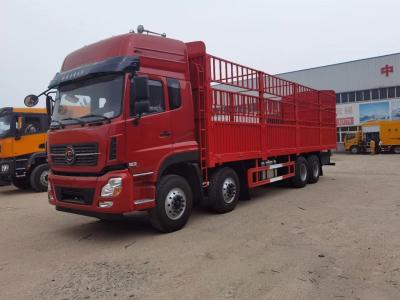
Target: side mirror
(31, 100)
(141, 88)
(142, 107)
(49, 105)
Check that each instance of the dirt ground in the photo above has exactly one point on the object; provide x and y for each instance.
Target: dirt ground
(337, 239)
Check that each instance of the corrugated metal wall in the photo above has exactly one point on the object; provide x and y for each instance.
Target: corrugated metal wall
(350, 76)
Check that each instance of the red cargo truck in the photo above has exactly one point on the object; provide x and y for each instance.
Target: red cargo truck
(148, 123)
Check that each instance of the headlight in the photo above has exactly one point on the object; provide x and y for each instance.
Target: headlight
(113, 188)
(5, 168)
(49, 193)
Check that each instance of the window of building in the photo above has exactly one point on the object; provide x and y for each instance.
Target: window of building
(367, 95)
(337, 98)
(383, 93)
(375, 94)
(391, 92)
(344, 97)
(352, 97)
(359, 96)
(174, 93)
(398, 91)
(342, 135)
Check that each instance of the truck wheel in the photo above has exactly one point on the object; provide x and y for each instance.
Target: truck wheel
(22, 184)
(314, 168)
(39, 176)
(224, 190)
(354, 150)
(301, 173)
(173, 204)
(396, 149)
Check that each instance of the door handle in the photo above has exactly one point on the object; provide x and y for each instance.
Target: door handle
(165, 133)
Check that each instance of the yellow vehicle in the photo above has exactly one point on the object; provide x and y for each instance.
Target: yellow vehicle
(386, 135)
(23, 160)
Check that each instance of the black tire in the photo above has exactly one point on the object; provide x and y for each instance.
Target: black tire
(300, 178)
(314, 168)
(396, 149)
(174, 193)
(22, 184)
(224, 190)
(38, 178)
(354, 150)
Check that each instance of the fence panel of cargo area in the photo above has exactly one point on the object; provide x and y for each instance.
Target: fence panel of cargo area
(254, 114)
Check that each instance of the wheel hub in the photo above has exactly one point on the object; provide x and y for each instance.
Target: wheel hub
(175, 204)
(229, 190)
(44, 178)
(316, 169)
(303, 172)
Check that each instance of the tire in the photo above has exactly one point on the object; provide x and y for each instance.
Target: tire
(396, 149)
(38, 178)
(224, 190)
(354, 150)
(314, 168)
(299, 180)
(174, 202)
(22, 184)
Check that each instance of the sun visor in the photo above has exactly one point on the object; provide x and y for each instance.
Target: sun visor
(110, 65)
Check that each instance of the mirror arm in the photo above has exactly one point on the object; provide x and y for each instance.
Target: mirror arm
(136, 119)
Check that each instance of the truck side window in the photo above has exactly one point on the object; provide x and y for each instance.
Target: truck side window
(174, 93)
(31, 125)
(156, 97)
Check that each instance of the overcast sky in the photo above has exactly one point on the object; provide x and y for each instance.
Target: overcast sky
(275, 36)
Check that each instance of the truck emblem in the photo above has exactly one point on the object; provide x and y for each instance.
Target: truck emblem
(69, 155)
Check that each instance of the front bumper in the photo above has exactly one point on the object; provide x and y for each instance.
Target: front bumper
(17, 168)
(135, 195)
(6, 175)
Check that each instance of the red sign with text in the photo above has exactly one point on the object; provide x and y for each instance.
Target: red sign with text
(344, 121)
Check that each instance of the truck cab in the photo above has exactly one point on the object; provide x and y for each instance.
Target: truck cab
(22, 147)
(122, 118)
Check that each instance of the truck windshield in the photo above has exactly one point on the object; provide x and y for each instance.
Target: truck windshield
(5, 125)
(100, 96)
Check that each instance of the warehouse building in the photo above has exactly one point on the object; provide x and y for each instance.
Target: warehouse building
(367, 89)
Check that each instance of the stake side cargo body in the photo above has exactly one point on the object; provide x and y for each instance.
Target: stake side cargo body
(211, 123)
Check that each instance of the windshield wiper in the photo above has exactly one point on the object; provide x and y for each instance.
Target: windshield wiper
(96, 116)
(57, 124)
(78, 120)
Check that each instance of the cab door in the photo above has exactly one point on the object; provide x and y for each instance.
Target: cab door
(149, 139)
(31, 134)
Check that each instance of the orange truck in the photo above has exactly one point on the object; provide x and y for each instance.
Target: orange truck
(23, 134)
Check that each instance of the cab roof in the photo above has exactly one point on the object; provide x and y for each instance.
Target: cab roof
(24, 110)
(168, 54)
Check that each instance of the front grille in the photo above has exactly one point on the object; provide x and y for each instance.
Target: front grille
(85, 154)
(73, 195)
(21, 164)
